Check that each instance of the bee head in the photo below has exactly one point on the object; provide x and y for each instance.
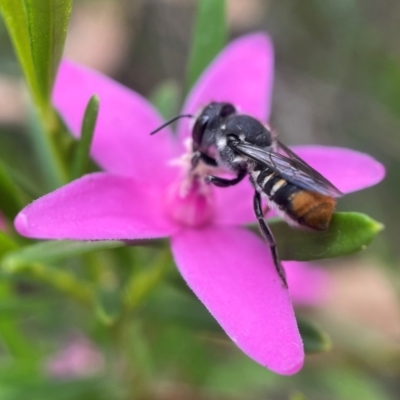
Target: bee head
(209, 122)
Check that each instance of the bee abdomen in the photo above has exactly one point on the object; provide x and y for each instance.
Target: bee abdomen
(269, 182)
(299, 206)
(311, 209)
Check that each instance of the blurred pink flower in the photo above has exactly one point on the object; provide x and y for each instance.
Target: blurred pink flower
(78, 359)
(147, 192)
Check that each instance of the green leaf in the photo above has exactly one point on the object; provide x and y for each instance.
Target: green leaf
(348, 232)
(165, 97)
(314, 338)
(210, 34)
(48, 23)
(15, 18)
(81, 158)
(38, 29)
(52, 251)
(10, 197)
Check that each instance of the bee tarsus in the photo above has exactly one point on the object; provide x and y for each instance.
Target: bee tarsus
(199, 156)
(222, 182)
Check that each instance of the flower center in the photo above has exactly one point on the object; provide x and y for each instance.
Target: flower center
(189, 204)
(189, 200)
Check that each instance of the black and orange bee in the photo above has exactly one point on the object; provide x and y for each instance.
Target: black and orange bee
(243, 145)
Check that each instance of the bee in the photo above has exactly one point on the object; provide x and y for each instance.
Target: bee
(243, 145)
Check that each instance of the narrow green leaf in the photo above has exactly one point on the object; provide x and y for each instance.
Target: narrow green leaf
(349, 232)
(165, 97)
(15, 18)
(81, 158)
(38, 29)
(10, 197)
(209, 37)
(47, 25)
(52, 251)
(314, 338)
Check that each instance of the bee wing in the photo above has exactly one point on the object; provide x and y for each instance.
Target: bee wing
(290, 166)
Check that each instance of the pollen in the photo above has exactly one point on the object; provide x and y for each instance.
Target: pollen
(184, 161)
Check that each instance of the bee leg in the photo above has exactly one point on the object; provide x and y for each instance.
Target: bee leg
(222, 182)
(212, 162)
(267, 233)
(199, 156)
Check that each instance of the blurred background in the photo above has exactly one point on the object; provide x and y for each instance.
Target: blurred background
(337, 83)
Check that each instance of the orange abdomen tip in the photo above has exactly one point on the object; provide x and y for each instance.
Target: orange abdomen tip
(313, 210)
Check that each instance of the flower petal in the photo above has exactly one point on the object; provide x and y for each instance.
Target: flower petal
(95, 207)
(241, 74)
(231, 271)
(122, 143)
(307, 284)
(347, 169)
(234, 205)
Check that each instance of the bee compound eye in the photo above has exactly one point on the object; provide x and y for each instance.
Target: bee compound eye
(199, 128)
(202, 121)
(227, 109)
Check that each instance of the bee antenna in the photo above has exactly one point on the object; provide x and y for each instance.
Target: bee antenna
(171, 121)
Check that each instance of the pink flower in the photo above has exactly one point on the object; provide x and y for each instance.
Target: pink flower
(147, 192)
(78, 359)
